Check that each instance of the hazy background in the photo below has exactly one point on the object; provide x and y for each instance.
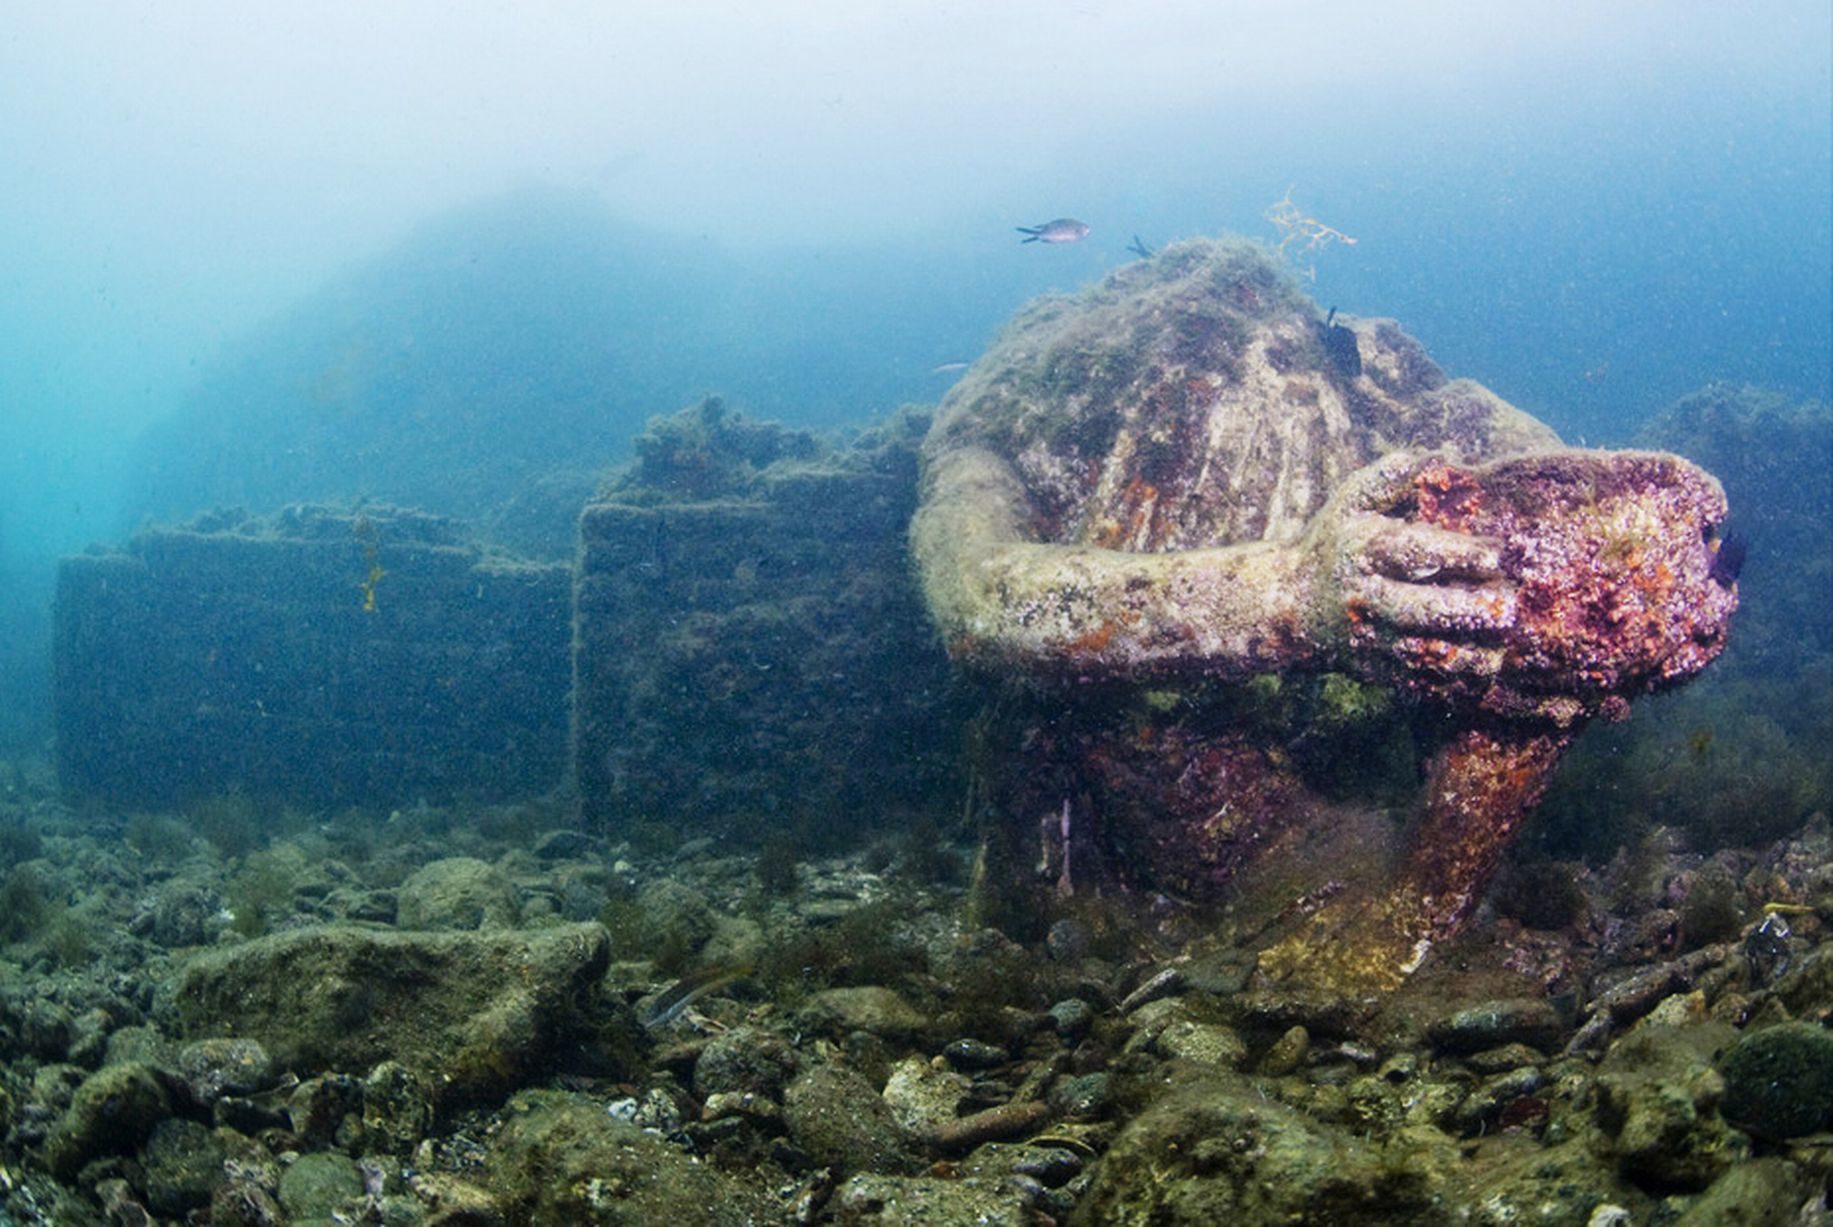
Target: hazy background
(232, 231)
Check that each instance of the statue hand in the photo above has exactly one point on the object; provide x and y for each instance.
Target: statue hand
(1551, 585)
(1397, 592)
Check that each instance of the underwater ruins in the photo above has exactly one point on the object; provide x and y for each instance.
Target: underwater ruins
(1106, 797)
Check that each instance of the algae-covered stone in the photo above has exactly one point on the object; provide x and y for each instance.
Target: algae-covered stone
(397, 1108)
(922, 1201)
(316, 1185)
(112, 1113)
(459, 892)
(924, 1096)
(746, 1060)
(1491, 1024)
(184, 1164)
(1762, 1193)
(1202, 1043)
(836, 1116)
(475, 1013)
(213, 1068)
(1287, 1052)
(1216, 1152)
(562, 1161)
(1658, 1097)
(871, 1008)
(1779, 1081)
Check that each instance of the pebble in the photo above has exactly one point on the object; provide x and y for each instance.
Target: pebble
(1517, 1020)
(1072, 1017)
(973, 1054)
(1287, 1053)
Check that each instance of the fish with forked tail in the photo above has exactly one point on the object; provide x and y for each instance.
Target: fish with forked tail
(1061, 230)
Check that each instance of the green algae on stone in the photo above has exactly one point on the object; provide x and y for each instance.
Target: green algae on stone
(184, 1164)
(561, 1161)
(477, 1014)
(838, 1117)
(1216, 1152)
(1779, 1081)
(315, 1186)
(1658, 1097)
(1770, 1192)
(459, 892)
(112, 1113)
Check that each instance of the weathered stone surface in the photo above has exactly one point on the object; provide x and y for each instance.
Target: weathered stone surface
(316, 1185)
(475, 1013)
(867, 1007)
(184, 1164)
(1490, 1024)
(561, 1160)
(834, 1114)
(1768, 1192)
(459, 892)
(112, 1112)
(1658, 1099)
(749, 646)
(1779, 1080)
(320, 656)
(918, 1201)
(1218, 1153)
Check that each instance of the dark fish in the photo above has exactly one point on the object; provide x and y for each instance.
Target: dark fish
(1340, 346)
(1728, 559)
(1767, 949)
(1139, 249)
(1062, 230)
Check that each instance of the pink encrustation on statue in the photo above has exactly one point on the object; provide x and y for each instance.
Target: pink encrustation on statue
(1149, 504)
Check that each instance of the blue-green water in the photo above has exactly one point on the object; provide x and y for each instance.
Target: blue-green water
(242, 251)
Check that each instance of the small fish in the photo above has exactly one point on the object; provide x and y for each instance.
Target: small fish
(669, 1005)
(1340, 346)
(1139, 249)
(1767, 948)
(1062, 230)
(1728, 559)
(948, 368)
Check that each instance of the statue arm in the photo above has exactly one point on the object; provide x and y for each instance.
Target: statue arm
(1011, 604)
(1007, 602)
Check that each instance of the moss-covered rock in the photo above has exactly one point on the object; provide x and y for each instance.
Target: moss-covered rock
(459, 892)
(475, 1013)
(1216, 1152)
(838, 1118)
(316, 1185)
(112, 1113)
(562, 1161)
(1779, 1081)
(184, 1164)
(1658, 1099)
(1762, 1193)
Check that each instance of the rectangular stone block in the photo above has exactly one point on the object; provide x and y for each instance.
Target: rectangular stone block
(760, 662)
(320, 657)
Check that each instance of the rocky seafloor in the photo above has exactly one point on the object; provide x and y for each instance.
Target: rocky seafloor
(484, 1016)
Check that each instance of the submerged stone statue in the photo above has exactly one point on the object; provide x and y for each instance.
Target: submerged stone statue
(1154, 511)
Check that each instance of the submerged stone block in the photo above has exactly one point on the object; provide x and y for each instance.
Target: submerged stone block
(761, 660)
(319, 657)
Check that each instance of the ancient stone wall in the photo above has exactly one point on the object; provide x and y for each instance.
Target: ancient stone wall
(320, 657)
(758, 658)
